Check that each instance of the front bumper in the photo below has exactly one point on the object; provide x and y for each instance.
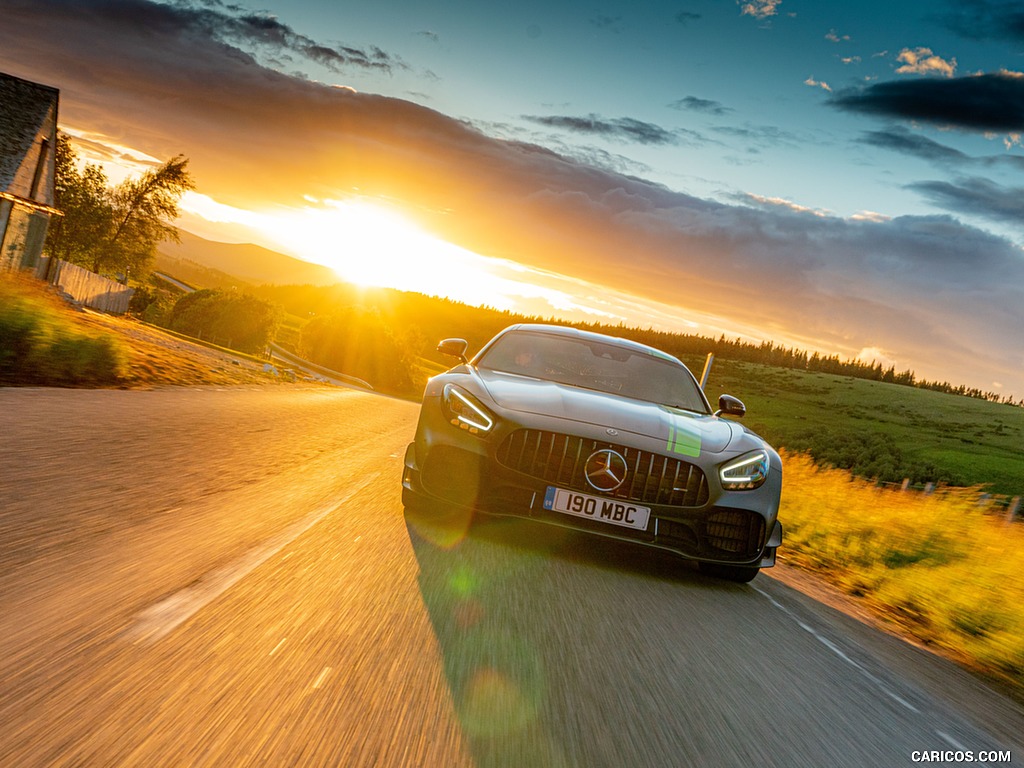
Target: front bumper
(709, 524)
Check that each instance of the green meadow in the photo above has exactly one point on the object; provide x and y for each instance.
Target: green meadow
(880, 431)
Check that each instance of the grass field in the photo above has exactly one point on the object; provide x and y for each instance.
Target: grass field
(941, 566)
(882, 431)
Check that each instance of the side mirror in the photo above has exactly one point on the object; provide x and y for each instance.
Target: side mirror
(454, 348)
(730, 406)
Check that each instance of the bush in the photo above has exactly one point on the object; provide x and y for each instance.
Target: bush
(228, 318)
(937, 564)
(152, 304)
(358, 342)
(40, 347)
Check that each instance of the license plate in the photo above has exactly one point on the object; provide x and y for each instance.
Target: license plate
(612, 511)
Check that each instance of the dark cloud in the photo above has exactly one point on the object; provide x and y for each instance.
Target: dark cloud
(620, 128)
(986, 19)
(908, 143)
(976, 196)
(991, 102)
(685, 17)
(760, 135)
(254, 32)
(695, 104)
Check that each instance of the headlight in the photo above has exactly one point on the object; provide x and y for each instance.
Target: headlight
(746, 472)
(465, 411)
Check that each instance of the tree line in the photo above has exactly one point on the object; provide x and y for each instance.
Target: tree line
(414, 323)
(769, 353)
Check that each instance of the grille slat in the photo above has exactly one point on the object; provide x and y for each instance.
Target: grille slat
(536, 453)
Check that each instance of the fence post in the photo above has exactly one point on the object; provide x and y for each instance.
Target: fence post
(1011, 512)
(708, 361)
(906, 484)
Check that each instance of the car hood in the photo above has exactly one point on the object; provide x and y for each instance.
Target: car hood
(684, 432)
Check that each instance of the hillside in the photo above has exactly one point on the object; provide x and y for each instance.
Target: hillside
(247, 262)
(877, 429)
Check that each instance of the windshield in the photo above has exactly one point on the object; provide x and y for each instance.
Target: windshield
(580, 362)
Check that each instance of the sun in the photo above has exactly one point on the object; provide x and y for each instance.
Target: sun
(374, 245)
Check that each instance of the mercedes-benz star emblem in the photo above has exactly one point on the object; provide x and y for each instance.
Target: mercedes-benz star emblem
(605, 470)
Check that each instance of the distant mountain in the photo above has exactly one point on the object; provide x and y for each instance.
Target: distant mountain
(249, 263)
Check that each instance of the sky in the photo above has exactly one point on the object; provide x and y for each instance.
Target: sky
(840, 177)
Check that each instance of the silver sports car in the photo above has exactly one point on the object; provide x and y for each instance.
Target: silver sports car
(597, 434)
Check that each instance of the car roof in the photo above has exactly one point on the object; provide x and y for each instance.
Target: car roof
(564, 330)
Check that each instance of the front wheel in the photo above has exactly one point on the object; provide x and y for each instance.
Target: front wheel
(741, 574)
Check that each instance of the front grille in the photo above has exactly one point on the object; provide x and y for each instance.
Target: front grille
(560, 459)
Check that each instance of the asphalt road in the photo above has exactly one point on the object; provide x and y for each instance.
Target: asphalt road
(228, 578)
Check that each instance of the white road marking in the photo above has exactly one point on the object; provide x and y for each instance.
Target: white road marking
(878, 683)
(837, 651)
(160, 619)
(278, 646)
(955, 744)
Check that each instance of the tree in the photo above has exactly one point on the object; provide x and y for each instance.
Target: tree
(144, 211)
(83, 199)
(114, 230)
(229, 318)
(357, 341)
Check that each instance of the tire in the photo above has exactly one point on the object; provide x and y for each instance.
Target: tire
(741, 574)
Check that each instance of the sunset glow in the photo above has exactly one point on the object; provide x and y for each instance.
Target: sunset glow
(564, 174)
(371, 243)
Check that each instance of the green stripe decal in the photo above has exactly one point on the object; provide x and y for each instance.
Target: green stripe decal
(683, 441)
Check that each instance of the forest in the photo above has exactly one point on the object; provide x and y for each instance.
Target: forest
(417, 322)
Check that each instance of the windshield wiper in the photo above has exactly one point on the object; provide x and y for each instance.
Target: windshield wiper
(684, 408)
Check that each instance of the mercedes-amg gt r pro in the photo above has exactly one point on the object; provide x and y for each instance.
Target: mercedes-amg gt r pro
(597, 434)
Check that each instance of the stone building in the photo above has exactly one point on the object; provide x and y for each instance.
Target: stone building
(28, 143)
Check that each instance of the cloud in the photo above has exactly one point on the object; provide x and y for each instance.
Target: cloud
(978, 197)
(769, 203)
(834, 37)
(685, 17)
(921, 61)
(942, 296)
(760, 9)
(817, 84)
(874, 355)
(874, 216)
(762, 136)
(695, 104)
(908, 143)
(620, 128)
(985, 19)
(609, 23)
(979, 103)
(257, 33)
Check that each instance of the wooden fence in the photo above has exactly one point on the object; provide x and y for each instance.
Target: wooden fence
(90, 289)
